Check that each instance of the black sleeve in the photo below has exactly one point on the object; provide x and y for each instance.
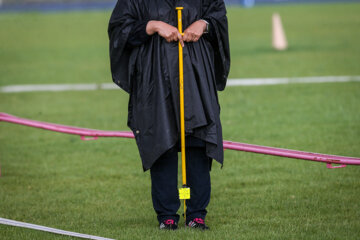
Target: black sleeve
(123, 18)
(138, 35)
(210, 36)
(214, 12)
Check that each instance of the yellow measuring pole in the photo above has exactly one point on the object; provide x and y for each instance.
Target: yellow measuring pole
(184, 192)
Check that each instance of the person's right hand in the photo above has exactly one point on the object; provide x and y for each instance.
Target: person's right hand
(170, 33)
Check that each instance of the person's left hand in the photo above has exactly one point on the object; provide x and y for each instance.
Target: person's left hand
(194, 31)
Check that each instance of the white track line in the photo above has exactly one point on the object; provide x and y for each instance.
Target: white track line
(47, 229)
(275, 81)
(231, 82)
(55, 87)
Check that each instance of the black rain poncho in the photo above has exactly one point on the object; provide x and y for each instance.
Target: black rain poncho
(149, 72)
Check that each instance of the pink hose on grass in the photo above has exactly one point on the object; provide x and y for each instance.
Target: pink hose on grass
(92, 134)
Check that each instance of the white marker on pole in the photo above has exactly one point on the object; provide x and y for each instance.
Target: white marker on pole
(279, 41)
(48, 229)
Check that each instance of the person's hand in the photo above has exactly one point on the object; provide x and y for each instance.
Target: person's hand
(170, 33)
(194, 31)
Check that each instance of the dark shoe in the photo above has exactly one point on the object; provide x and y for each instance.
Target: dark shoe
(168, 224)
(198, 223)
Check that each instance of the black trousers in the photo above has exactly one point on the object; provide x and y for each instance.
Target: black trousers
(164, 184)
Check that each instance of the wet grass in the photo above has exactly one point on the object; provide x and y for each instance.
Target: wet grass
(98, 187)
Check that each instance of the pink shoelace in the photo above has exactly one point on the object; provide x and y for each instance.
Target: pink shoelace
(199, 220)
(169, 221)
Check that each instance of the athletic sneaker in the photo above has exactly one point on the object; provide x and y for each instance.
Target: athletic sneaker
(168, 224)
(198, 223)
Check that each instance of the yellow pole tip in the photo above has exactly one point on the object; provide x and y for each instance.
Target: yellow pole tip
(179, 8)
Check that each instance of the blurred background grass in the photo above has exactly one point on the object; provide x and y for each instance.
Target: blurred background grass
(98, 187)
(72, 47)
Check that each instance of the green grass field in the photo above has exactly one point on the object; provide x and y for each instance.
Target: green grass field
(98, 187)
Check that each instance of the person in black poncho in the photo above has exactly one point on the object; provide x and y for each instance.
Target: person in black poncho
(144, 62)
